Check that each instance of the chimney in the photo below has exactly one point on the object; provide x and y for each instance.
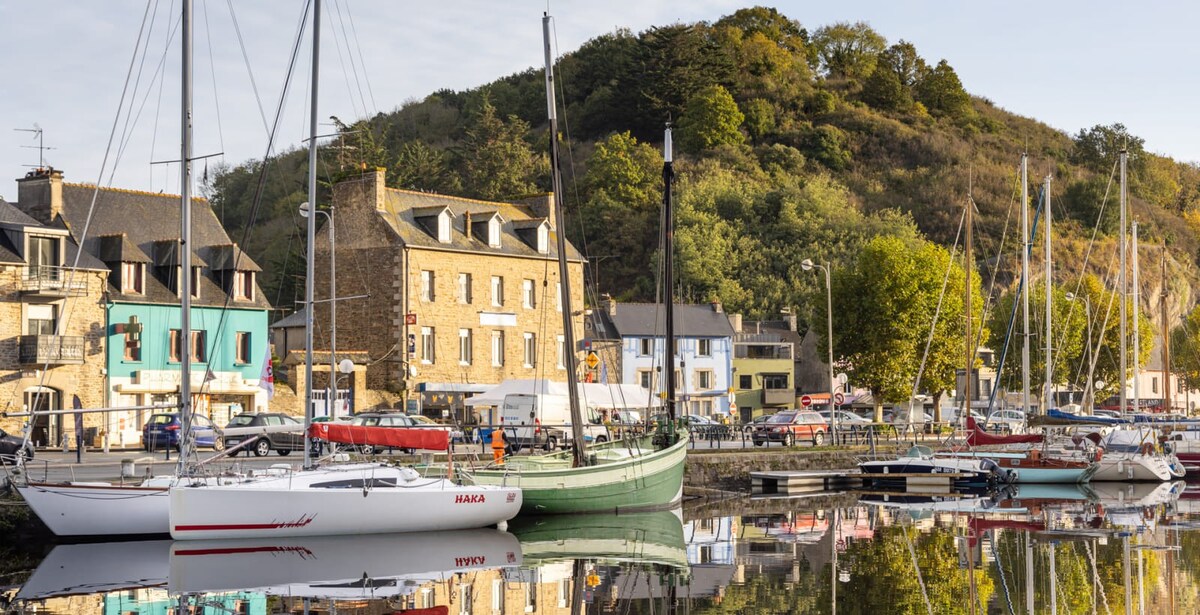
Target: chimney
(716, 307)
(610, 304)
(542, 206)
(789, 316)
(367, 190)
(735, 321)
(467, 224)
(39, 194)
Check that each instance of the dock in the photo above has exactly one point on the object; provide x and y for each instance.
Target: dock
(808, 481)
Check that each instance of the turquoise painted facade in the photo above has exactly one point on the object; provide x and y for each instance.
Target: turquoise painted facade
(159, 602)
(220, 338)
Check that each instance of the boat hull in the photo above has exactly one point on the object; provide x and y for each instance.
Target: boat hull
(1029, 475)
(99, 510)
(335, 502)
(1132, 468)
(646, 482)
(972, 474)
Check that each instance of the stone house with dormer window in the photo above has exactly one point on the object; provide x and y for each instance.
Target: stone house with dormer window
(135, 237)
(467, 292)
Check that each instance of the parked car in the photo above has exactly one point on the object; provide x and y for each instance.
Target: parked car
(11, 446)
(748, 428)
(282, 443)
(790, 426)
(845, 419)
(381, 419)
(1010, 421)
(163, 430)
(420, 420)
(701, 427)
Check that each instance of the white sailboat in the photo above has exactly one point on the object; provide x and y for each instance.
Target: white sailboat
(366, 498)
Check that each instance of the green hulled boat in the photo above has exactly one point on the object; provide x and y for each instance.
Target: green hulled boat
(648, 537)
(622, 476)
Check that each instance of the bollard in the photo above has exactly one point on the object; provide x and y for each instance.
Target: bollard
(128, 468)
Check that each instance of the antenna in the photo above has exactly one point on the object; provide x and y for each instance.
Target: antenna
(40, 147)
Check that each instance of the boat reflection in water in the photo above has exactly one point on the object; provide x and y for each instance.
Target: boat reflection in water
(1028, 549)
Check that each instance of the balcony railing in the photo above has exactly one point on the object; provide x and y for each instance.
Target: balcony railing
(775, 397)
(54, 281)
(51, 349)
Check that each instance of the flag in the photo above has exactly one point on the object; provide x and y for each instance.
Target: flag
(266, 379)
(603, 373)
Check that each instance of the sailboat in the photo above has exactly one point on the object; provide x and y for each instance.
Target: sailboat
(635, 473)
(339, 499)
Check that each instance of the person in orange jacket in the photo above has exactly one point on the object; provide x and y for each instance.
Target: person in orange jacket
(498, 446)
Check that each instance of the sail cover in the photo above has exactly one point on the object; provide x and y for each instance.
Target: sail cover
(429, 439)
(979, 437)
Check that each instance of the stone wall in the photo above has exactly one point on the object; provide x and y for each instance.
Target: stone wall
(731, 471)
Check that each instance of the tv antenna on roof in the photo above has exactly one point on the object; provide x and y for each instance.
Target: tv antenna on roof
(41, 146)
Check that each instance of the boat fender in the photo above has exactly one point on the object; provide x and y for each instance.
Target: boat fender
(1147, 448)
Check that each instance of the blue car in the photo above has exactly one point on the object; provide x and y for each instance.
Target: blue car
(163, 430)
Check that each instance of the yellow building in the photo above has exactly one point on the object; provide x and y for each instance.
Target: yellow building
(461, 292)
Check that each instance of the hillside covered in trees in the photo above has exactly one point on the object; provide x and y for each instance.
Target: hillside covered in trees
(797, 141)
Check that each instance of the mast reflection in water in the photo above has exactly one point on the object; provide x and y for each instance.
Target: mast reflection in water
(1108, 548)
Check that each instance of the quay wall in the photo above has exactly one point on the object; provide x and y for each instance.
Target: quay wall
(730, 471)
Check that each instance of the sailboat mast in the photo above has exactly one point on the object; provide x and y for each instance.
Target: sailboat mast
(970, 352)
(1166, 335)
(1137, 312)
(1026, 245)
(1121, 287)
(579, 448)
(1049, 399)
(669, 273)
(185, 242)
(309, 271)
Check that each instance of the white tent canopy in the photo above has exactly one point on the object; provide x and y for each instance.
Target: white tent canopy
(592, 395)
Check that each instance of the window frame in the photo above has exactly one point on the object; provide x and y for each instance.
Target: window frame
(242, 344)
(133, 278)
(428, 286)
(528, 294)
(529, 350)
(497, 348)
(497, 291)
(464, 288)
(465, 346)
(428, 345)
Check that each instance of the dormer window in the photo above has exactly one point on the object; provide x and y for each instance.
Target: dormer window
(443, 227)
(436, 221)
(133, 278)
(535, 233)
(543, 239)
(243, 286)
(195, 282)
(493, 232)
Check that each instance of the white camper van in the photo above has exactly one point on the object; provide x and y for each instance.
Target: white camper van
(544, 421)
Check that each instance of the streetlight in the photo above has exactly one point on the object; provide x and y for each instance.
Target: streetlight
(1087, 386)
(330, 401)
(808, 265)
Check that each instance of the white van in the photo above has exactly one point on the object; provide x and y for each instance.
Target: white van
(544, 421)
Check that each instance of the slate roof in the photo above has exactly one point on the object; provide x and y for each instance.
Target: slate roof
(10, 253)
(145, 218)
(295, 319)
(402, 207)
(648, 320)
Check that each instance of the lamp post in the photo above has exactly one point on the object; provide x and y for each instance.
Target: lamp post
(330, 401)
(808, 265)
(1087, 386)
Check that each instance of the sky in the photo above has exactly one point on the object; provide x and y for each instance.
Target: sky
(1070, 64)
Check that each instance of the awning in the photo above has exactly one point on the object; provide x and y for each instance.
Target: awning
(594, 395)
(452, 387)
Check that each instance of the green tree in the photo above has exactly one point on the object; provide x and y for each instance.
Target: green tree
(946, 335)
(904, 61)
(419, 166)
(760, 118)
(884, 91)
(1096, 148)
(711, 118)
(1094, 202)
(495, 161)
(1106, 332)
(827, 144)
(1185, 349)
(942, 93)
(771, 24)
(848, 50)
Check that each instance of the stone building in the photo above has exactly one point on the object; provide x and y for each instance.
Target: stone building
(462, 293)
(52, 322)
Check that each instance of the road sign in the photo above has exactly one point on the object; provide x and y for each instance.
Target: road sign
(839, 398)
(592, 360)
(410, 319)
(805, 400)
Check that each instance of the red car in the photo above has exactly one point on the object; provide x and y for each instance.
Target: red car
(791, 426)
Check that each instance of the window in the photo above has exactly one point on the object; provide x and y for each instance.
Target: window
(1154, 384)
(704, 348)
(1179, 385)
(242, 340)
(745, 382)
(427, 345)
(497, 349)
(41, 319)
(444, 227)
(243, 285)
(528, 299)
(774, 381)
(199, 348)
(195, 282)
(543, 239)
(133, 340)
(464, 346)
(427, 282)
(173, 344)
(645, 346)
(43, 258)
(497, 291)
(530, 355)
(464, 600)
(494, 232)
(562, 352)
(497, 594)
(704, 379)
(645, 378)
(131, 278)
(464, 288)
(427, 598)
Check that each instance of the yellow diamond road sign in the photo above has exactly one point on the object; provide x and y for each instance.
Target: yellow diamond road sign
(592, 360)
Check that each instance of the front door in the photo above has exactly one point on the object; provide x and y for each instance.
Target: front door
(47, 428)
